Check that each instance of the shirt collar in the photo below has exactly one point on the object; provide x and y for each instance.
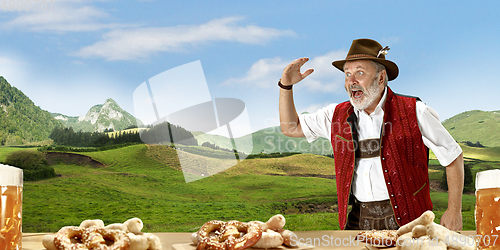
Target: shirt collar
(380, 105)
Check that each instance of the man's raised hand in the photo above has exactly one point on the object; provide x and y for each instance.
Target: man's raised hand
(292, 75)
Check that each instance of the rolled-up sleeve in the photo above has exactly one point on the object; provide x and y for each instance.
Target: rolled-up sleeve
(435, 136)
(318, 124)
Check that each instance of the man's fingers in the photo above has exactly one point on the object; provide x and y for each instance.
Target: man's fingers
(295, 65)
(307, 72)
(292, 75)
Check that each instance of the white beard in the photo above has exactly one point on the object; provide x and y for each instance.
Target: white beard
(369, 96)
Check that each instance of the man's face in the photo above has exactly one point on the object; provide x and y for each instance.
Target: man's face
(362, 84)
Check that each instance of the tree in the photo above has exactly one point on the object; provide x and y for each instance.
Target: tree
(32, 162)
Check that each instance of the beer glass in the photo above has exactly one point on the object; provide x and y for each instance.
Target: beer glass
(488, 209)
(11, 187)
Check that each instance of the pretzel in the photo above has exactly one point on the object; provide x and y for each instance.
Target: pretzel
(227, 235)
(63, 238)
(205, 241)
(252, 234)
(94, 235)
(98, 238)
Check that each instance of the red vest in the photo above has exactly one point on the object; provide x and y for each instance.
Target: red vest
(402, 152)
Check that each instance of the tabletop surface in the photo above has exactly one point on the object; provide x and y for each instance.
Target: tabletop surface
(320, 240)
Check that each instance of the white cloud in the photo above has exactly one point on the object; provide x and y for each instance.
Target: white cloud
(265, 72)
(140, 43)
(62, 16)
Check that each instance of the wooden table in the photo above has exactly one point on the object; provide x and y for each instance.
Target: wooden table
(321, 240)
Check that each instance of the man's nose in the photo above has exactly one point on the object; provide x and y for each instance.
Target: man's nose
(351, 80)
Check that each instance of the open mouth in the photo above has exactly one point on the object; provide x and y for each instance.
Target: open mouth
(356, 94)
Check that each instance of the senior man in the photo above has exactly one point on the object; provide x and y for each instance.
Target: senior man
(380, 143)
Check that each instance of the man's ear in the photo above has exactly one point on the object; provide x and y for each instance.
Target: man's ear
(383, 75)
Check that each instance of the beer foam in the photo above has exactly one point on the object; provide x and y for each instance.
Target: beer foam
(10, 176)
(488, 179)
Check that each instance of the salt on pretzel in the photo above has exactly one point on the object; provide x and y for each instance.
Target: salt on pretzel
(205, 240)
(252, 234)
(228, 235)
(63, 238)
(97, 238)
(425, 219)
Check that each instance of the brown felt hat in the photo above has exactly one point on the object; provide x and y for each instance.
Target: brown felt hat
(367, 49)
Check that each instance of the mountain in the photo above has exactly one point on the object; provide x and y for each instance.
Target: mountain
(99, 118)
(21, 121)
(474, 126)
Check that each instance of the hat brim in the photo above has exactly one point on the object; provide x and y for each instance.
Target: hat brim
(390, 67)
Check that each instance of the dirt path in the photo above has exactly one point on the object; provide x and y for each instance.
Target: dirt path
(72, 158)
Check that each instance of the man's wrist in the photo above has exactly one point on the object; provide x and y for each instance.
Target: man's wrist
(287, 87)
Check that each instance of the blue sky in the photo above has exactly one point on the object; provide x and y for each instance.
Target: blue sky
(77, 54)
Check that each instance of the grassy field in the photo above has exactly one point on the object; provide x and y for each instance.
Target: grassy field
(146, 182)
(137, 185)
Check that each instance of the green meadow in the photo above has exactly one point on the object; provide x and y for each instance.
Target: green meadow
(147, 182)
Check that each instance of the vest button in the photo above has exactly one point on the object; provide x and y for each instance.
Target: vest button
(392, 195)
(383, 158)
(385, 170)
(399, 218)
(388, 183)
(395, 206)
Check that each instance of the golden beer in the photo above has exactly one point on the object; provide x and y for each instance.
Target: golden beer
(488, 210)
(11, 196)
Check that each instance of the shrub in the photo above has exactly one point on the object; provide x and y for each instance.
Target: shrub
(32, 162)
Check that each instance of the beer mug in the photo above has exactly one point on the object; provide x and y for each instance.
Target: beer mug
(11, 187)
(488, 209)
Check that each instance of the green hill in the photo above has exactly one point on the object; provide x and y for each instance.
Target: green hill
(475, 125)
(270, 140)
(137, 182)
(21, 121)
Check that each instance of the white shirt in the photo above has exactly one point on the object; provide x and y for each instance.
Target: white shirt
(369, 183)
